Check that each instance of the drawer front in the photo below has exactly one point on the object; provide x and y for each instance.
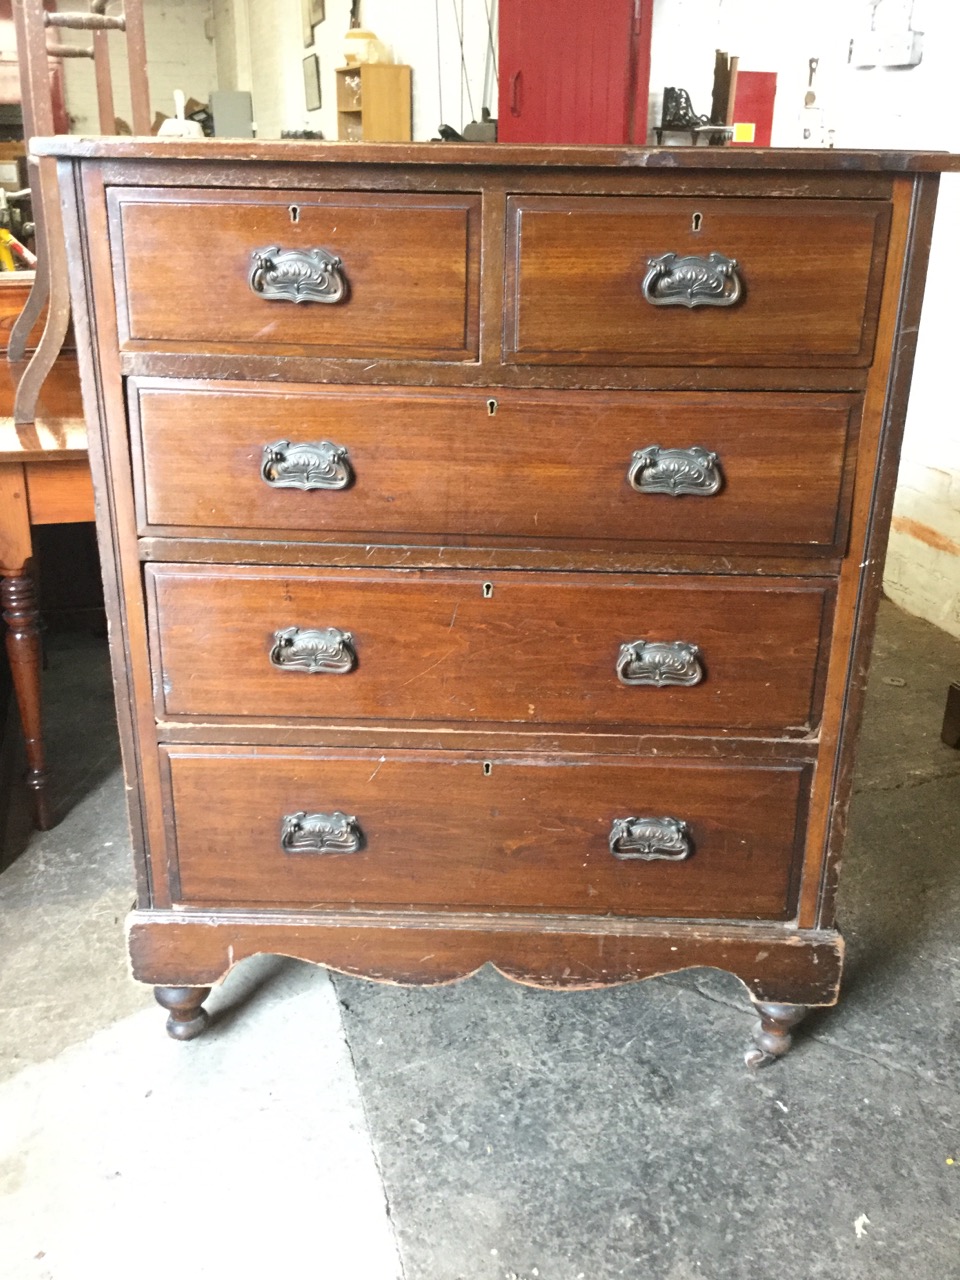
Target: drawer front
(534, 649)
(497, 465)
(590, 282)
(407, 284)
(304, 829)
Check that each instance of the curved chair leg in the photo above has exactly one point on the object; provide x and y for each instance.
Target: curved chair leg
(24, 324)
(58, 312)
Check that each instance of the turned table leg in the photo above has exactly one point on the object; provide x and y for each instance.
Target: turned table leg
(20, 613)
(773, 1035)
(188, 1018)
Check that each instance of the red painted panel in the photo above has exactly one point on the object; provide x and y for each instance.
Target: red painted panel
(573, 72)
(753, 104)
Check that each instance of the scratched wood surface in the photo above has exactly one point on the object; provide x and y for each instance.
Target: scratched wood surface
(802, 395)
(525, 467)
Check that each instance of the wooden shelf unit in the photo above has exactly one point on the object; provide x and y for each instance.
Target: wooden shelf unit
(374, 103)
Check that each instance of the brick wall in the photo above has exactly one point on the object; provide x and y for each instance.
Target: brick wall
(180, 55)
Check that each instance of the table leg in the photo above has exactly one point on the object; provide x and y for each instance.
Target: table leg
(19, 605)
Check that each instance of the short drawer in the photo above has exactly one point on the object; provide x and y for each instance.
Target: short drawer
(525, 648)
(623, 281)
(211, 270)
(592, 468)
(445, 830)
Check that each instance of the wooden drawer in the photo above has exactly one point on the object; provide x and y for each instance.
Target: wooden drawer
(501, 465)
(183, 264)
(527, 648)
(578, 268)
(450, 830)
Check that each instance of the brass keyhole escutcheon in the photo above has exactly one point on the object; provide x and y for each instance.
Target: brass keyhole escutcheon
(696, 222)
(492, 407)
(294, 213)
(487, 590)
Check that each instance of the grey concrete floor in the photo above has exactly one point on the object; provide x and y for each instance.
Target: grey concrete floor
(484, 1131)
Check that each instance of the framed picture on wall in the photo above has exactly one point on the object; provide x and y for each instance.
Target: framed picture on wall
(306, 8)
(311, 82)
(317, 11)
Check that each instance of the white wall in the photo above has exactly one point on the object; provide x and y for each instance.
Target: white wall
(268, 36)
(180, 55)
(259, 46)
(915, 108)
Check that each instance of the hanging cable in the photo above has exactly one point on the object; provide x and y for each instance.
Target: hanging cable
(436, 8)
(490, 64)
(463, 63)
(493, 51)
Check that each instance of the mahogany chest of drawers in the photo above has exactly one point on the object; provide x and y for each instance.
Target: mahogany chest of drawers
(492, 540)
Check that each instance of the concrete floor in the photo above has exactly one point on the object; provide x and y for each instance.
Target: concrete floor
(484, 1131)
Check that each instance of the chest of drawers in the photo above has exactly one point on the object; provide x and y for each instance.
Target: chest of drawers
(492, 540)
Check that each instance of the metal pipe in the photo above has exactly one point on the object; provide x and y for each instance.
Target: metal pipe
(85, 21)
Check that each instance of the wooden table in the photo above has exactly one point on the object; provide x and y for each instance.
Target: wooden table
(44, 479)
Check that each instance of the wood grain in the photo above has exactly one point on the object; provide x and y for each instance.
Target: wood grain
(556, 952)
(657, 159)
(431, 647)
(451, 831)
(182, 261)
(509, 274)
(530, 467)
(61, 493)
(811, 273)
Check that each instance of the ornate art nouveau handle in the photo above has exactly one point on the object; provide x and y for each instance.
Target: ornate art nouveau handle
(672, 281)
(650, 840)
(320, 833)
(675, 471)
(297, 275)
(306, 466)
(325, 650)
(658, 663)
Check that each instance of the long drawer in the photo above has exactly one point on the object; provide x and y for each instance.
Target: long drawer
(376, 273)
(615, 280)
(537, 649)
(589, 467)
(322, 828)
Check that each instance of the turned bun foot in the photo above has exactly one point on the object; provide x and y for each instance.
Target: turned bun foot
(188, 1018)
(773, 1035)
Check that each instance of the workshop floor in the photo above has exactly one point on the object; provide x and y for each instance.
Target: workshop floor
(483, 1131)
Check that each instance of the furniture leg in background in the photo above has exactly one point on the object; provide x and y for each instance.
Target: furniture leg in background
(18, 604)
(44, 479)
(950, 733)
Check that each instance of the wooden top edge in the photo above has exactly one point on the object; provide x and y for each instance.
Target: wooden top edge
(495, 154)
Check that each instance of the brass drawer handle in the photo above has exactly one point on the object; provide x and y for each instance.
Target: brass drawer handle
(659, 663)
(650, 840)
(326, 650)
(297, 275)
(693, 471)
(690, 281)
(320, 833)
(320, 465)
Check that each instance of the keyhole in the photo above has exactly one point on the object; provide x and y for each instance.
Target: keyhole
(487, 768)
(492, 407)
(696, 222)
(294, 213)
(487, 590)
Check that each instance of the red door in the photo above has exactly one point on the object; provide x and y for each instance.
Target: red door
(574, 70)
